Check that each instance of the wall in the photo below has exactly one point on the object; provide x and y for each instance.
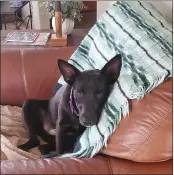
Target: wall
(40, 18)
(165, 7)
(102, 6)
(44, 18)
(5, 6)
(35, 15)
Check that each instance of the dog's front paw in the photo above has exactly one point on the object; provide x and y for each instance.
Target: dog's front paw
(23, 147)
(30, 144)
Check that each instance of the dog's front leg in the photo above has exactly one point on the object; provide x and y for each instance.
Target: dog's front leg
(59, 137)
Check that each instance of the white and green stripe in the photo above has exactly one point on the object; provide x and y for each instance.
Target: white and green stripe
(144, 38)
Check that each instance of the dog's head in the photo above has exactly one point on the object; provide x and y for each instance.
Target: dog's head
(91, 88)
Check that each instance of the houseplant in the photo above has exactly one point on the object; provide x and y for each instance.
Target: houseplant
(71, 12)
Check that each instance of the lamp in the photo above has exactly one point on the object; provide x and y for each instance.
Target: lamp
(58, 39)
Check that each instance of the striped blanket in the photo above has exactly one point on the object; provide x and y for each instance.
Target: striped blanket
(138, 32)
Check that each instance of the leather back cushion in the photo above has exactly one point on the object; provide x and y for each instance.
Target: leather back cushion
(30, 73)
(146, 134)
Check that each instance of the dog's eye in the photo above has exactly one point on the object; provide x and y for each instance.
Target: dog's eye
(70, 133)
(80, 91)
(99, 95)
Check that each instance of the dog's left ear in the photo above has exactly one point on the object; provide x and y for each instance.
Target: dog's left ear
(112, 69)
(68, 71)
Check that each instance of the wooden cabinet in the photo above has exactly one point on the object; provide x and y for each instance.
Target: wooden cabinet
(92, 6)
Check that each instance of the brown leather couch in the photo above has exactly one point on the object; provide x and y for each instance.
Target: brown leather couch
(142, 144)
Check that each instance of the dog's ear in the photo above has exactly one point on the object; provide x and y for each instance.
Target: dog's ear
(68, 71)
(112, 69)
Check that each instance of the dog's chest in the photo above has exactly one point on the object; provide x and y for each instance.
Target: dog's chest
(48, 125)
(51, 115)
(49, 129)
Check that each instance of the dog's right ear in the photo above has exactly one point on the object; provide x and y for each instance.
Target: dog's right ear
(112, 69)
(68, 71)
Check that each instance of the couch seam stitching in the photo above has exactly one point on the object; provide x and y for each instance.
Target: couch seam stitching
(153, 131)
(110, 166)
(23, 74)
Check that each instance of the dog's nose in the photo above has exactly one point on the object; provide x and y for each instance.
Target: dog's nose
(87, 123)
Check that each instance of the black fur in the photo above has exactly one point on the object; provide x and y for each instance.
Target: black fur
(53, 119)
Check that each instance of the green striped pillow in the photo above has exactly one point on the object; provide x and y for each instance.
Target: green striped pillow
(141, 34)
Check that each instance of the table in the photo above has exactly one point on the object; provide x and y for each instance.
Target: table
(74, 39)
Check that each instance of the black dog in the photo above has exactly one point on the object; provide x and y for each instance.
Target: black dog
(77, 105)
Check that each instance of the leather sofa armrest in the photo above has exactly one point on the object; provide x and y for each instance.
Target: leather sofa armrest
(97, 165)
(146, 134)
(30, 73)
